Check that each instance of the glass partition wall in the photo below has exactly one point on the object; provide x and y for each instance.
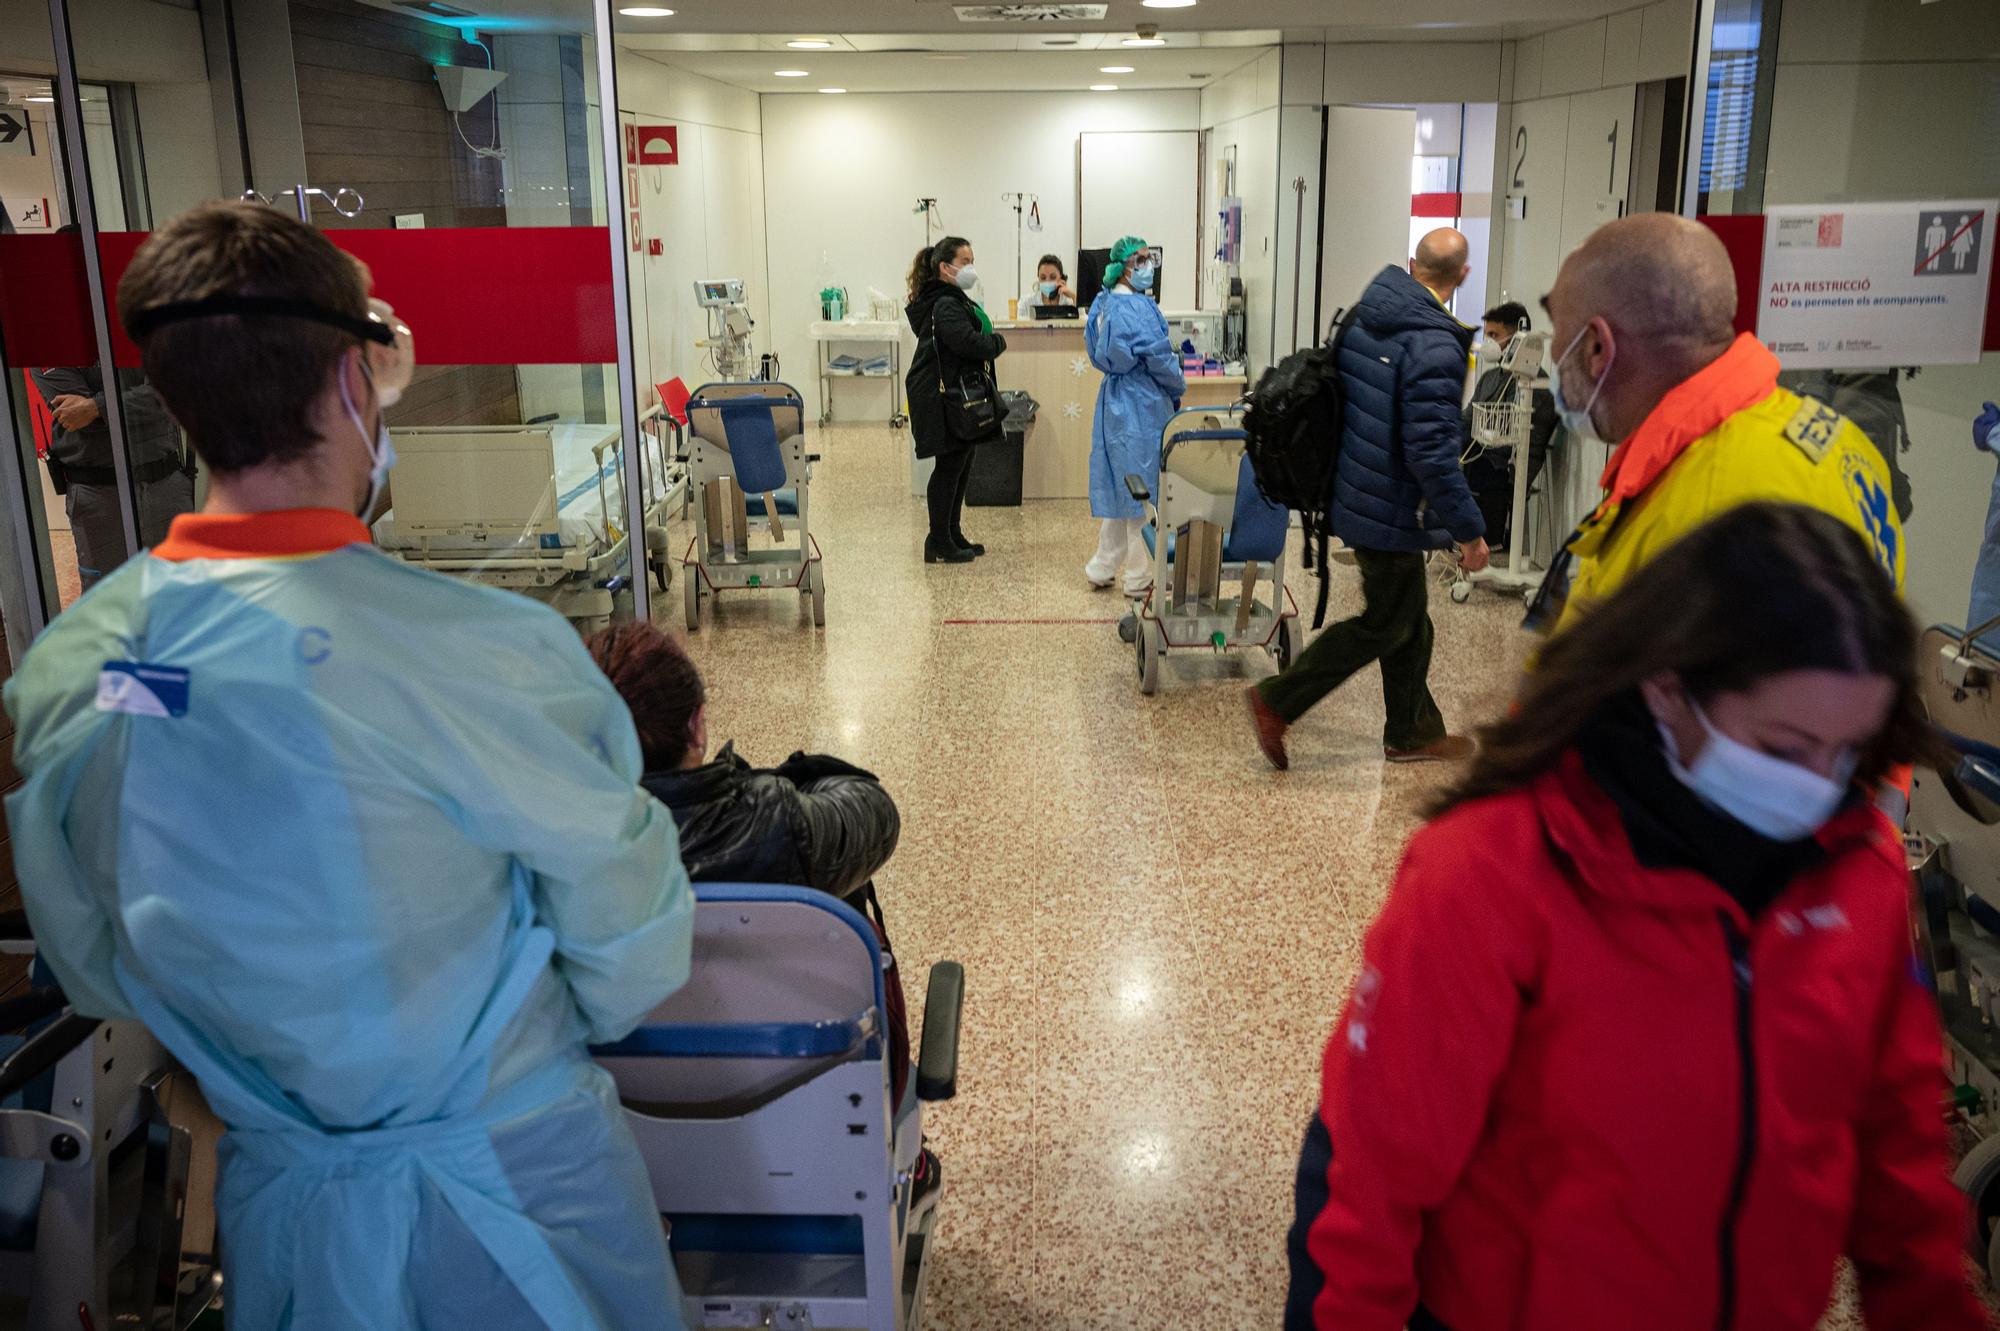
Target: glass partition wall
(1849, 153)
(471, 164)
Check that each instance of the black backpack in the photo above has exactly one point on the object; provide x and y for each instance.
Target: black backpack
(1293, 421)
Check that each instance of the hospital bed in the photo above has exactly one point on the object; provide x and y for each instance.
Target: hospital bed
(746, 458)
(760, 1096)
(538, 509)
(94, 1173)
(1954, 848)
(1222, 540)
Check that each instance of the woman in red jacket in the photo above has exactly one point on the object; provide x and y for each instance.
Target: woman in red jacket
(1638, 1040)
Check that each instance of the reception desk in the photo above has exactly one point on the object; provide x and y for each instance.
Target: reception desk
(1046, 360)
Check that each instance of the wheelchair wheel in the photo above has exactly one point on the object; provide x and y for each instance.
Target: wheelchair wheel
(1290, 641)
(815, 577)
(1151, 646)
(691, 600)
(1978, 1177)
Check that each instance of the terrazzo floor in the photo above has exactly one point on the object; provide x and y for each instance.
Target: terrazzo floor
(1157, 929)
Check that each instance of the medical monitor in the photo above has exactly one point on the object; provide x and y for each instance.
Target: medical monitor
(714, 293)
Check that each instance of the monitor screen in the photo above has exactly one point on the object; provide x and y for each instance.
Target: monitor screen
(1090, 266)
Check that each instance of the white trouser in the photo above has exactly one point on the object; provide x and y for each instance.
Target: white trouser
(1121, 549)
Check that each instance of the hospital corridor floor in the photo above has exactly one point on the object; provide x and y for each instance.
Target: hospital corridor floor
(1157, 929)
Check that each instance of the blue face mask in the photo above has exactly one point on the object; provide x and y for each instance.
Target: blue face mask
(1770, 796)
(1577, 420)
(1142, 277)
(1048, 289)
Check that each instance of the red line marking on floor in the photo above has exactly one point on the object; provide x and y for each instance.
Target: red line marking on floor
(981, 623)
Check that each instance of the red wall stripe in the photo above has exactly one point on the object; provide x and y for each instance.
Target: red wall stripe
(1743, 237)
(1437, 205)
(473, 295)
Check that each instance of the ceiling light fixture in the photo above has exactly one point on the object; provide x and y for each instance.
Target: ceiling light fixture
(1148, 35)
(1115, 69)
(810, 44)
(646, 11)
(833, 91)
(1168, 4)
(790, 73)
(1104, 87)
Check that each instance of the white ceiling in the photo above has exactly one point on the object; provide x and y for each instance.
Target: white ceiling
(1298, 20)
(959, 71)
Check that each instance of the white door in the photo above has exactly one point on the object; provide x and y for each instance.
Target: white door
(1368, 155)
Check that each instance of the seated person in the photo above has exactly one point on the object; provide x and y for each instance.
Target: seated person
(1052, 283)
(813, 821)
(1491, 472)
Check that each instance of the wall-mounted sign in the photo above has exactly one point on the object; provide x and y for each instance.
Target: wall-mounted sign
(1869, 285)
(17, 135)
(659, 145)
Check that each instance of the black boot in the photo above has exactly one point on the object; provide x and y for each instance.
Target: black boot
(945, 554)
(958, 539)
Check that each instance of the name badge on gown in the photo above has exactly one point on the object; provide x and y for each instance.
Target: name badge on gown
(138, 689)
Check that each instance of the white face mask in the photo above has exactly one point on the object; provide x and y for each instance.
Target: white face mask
(381, 450)
(968, 278)
(1771, 797)
(1577, 420)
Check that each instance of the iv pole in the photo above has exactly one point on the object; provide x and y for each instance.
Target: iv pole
(1019, 202)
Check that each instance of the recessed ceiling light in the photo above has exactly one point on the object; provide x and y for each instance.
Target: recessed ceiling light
(833, 90)
(1115, 69)
(1144, 41)
(1168, 4)
(790, 73)
(1104, 87)
(646, 11)
(810, 44)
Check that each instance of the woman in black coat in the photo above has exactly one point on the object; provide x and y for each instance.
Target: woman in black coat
(956, 345)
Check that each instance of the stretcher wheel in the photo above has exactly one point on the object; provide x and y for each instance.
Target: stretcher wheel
(1978, 1177)
(1149, 641)
(691, 600)
(1461, 592)
(663, 574)
(1289, 635)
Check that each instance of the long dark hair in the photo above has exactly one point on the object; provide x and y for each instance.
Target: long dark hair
(1052, 261)
(925, 266)
(1761, 590)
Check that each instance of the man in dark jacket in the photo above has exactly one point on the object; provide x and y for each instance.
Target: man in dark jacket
(80, 464)
(1398, 495)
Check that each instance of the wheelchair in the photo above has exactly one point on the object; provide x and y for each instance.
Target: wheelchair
(1221, 534)
(746, 457)
(94, 1173)
(760, 1095)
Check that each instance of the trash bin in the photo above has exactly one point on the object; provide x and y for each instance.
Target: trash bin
(995, 481)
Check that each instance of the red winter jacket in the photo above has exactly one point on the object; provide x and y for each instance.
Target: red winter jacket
(1569, 1091)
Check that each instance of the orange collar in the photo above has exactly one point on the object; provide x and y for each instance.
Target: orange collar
(286, 533)
(1740, 377)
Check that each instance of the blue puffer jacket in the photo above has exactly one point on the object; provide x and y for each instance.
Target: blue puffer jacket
(1403, 365)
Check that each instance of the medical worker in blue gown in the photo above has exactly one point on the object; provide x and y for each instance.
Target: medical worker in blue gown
(363, 846)
(1986, 570)
(1126, 337)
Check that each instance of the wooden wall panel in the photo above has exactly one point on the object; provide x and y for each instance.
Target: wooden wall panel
(373, 120)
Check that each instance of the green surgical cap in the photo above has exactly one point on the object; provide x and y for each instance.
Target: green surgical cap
(1123, 250)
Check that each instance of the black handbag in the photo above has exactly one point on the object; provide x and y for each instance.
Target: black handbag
(972, 407)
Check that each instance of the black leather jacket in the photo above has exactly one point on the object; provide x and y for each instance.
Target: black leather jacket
(813, 822)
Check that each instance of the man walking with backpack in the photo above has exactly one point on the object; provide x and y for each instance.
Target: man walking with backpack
(1398, 494)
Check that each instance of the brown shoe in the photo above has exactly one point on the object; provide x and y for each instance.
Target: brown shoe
(1270, 728)
(1450, 749)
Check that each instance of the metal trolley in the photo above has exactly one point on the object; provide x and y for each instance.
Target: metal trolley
(1221, 535)
(746, 457)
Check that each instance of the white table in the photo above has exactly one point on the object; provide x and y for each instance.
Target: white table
(871, 332)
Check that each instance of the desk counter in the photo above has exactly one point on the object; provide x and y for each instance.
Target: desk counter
(1045, 358)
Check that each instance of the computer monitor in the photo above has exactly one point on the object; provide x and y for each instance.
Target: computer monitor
(1090, 266)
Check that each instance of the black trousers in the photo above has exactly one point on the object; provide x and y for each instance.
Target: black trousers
(1394, 628)
(945, 495)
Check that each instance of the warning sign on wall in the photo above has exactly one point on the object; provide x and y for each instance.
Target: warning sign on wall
(1867, 285)
(659, 145)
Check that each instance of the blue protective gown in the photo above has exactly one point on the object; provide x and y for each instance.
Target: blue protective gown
(376, 888)
(1126, 337)
(1986, 569)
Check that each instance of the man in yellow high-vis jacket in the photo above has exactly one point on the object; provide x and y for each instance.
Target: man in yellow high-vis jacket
(1646, 357)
